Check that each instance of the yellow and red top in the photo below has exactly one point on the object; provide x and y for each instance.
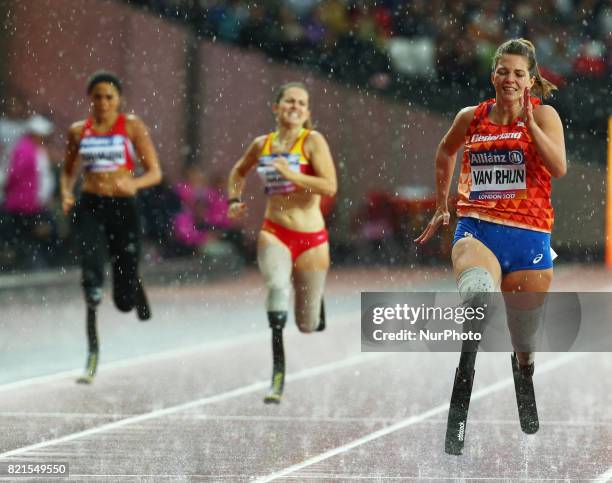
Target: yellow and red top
(273, 181)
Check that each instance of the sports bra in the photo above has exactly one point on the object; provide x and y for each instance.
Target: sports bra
(274, 183)
(111, 151)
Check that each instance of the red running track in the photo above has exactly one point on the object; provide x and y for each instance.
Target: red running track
(193, 411)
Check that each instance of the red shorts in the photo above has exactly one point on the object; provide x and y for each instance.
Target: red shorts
(296, 241)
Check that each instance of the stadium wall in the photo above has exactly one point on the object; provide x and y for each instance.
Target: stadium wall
(52, 46)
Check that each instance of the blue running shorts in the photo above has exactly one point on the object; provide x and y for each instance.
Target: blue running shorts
(515, 248)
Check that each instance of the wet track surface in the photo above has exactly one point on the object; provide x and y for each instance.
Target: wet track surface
(180, 398)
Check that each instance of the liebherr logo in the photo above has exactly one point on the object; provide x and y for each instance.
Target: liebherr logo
(461, 431)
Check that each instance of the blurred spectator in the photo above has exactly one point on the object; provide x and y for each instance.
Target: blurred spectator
(447, 38)
(202, 220)
(12, 126)
(28, 194)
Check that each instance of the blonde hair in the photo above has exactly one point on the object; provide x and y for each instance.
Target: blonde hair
(525, 48)
(281, 92)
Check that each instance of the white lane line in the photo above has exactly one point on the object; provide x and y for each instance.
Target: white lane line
(607, 476)
(168, 354)
(340, 477)
(256, 386)
(322, 477)
(481, 393)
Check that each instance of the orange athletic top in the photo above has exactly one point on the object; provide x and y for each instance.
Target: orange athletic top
(503, 179)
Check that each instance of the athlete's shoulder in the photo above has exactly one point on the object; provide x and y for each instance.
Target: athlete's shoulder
(132, 120)
(259, 142)
(467, 114)
(76, 129)
(464, 119)
(314, 137)
(545, 112)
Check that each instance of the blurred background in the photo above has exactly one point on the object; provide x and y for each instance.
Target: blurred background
(386, 78)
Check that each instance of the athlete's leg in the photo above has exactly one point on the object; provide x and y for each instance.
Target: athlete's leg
(525, 294)
(478, 274)
(274, 260)
(124, 244)
(309, 273)
(91, 241)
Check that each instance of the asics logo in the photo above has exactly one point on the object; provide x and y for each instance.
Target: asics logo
(461, 431)
(467, 233)
(538, 258)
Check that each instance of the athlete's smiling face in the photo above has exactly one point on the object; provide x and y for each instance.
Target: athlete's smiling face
(292, 108)
(511, 77)
(105, 99)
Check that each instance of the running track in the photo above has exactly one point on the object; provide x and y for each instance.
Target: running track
(180, 398)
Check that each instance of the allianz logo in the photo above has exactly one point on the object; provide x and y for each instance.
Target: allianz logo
(496, 157)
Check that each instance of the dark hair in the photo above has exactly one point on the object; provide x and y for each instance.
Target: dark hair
(281, 92)
(103, 76)
(526, 49)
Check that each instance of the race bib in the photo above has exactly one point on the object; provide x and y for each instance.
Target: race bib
(498, 175)
(273, 181)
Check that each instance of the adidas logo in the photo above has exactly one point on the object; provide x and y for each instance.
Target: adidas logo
(461, 432)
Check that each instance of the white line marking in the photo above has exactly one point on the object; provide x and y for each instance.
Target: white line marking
(607, 476)
(256, 386)
(545, 367)
(323, 477)
(168, 354)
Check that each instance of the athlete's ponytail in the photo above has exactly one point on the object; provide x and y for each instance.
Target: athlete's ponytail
(281, 92)
(525, 48)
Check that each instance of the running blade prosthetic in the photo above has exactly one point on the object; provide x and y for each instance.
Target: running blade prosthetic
(458, 412)
(276, 390)
(525, 396)
(90, 369)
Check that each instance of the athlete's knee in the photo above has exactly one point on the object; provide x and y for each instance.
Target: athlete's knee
(124, 304)
(275, 265)
(475, 285)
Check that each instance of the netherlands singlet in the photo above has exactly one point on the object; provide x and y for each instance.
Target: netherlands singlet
(274, 182)
(503, 179)
(111, 151)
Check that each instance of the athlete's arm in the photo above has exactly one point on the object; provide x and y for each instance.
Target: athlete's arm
(324, 180)
(139, 135)
(546, 131)
(237, 177)
(70, 170)
(445, 165)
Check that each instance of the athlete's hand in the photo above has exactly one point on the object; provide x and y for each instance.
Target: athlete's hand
(282, 166)
(236, 211)
(440, 217)
(67, 203)
(527, 112)
(126, 186)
